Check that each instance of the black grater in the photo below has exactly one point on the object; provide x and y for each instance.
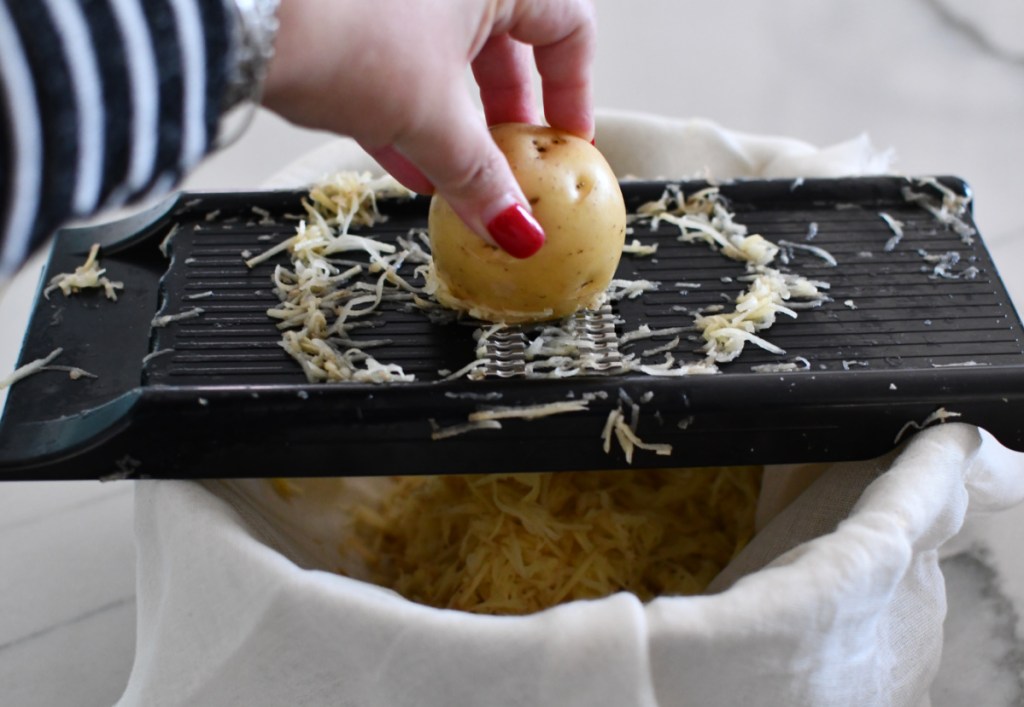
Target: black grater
(918, 328)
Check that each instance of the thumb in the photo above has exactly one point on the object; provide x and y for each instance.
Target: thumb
(455, 152)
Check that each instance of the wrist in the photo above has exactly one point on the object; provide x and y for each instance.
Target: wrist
(279, 68)
(296, 62)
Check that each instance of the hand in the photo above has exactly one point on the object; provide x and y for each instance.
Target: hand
(391, 74)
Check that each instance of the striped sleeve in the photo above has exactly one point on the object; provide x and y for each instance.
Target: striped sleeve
(102, 101)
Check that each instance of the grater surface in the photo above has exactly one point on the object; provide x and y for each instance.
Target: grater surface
(898, 314)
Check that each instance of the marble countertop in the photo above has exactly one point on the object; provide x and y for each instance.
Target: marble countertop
(940, 87)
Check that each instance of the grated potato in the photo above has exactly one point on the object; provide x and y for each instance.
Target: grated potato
(520, 543)
(88, 275)
(320, 301)
(323, 299)
(703, 217)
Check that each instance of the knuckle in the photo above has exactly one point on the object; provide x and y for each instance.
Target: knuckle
(476, 175)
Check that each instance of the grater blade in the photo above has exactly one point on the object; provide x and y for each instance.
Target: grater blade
(504, 353)
(597, 328)
(594, 343)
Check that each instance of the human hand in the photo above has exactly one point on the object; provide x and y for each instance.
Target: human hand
(390, 73)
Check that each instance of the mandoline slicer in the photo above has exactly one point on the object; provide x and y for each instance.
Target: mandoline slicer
(917, 329)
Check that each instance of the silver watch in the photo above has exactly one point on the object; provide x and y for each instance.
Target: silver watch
(252, 47)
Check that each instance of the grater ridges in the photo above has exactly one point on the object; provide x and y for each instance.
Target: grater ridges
(887, 308)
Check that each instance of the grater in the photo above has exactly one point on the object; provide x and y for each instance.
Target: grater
(918, 329)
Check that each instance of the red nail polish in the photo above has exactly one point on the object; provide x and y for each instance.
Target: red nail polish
(594, 142)
(516, 231)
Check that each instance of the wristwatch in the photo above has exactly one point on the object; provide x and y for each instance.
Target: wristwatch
(252, 47)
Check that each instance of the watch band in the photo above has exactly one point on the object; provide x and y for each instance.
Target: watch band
(252, 36)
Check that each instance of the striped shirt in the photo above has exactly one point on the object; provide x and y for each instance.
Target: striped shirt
(102, 101)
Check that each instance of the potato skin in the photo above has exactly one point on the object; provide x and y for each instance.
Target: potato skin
(577, 200)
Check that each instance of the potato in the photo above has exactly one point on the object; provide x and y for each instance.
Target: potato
(576, 198)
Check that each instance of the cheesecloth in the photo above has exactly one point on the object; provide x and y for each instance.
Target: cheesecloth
(838, 600)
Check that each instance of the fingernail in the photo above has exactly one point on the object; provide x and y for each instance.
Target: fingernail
(516, 232)
(594, 142)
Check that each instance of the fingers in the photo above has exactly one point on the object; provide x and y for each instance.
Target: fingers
(402, 169)
(503, 73)
(563, 34)
(403, 96)
(453, 149)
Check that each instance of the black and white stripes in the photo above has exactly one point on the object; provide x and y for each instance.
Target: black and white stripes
(69, 22)
(23, 154)
(101, 101)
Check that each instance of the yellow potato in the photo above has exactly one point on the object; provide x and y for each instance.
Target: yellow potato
(576, 198)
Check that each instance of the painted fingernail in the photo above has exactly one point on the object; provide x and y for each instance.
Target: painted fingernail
(594, 142)
(516, 232)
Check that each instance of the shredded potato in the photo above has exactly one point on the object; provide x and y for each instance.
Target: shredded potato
(520, 543)
(87, 275)
(323, 299)
(703, 217)
(30, 368)
(755, 310)
(319, 300)
(948, 211)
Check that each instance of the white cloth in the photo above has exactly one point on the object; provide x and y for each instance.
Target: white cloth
(652, 146)
(838, 600)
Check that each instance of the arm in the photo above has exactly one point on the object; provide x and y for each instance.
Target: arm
(101, 101)
(105, 100)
